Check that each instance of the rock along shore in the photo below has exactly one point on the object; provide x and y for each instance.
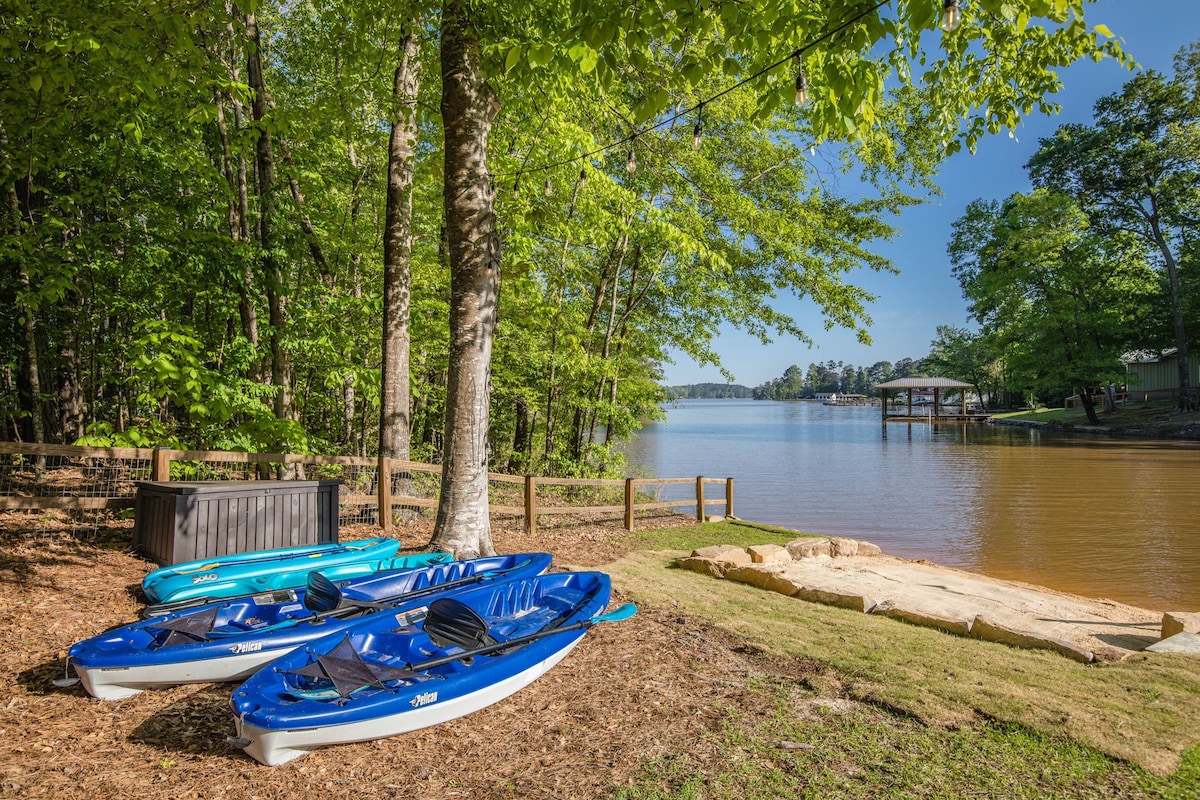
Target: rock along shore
(857, 575)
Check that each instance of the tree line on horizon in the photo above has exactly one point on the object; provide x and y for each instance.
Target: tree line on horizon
(827, 377)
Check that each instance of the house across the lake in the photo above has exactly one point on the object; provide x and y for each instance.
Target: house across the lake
(1155, 376)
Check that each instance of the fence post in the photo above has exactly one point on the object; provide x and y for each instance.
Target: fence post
(383, 486)
(629, 487)
(700, 498)
(531, 504)
(160, 464)
(729, 497)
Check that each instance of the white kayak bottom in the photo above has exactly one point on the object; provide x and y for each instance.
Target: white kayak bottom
(118, 683)
(274, 747)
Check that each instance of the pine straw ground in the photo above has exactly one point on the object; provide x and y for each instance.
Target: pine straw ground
(632, 692)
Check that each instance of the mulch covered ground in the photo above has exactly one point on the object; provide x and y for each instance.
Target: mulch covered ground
(631, 693)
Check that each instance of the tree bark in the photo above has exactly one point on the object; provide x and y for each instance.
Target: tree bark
(518, 459)
(281, 372)
(29, 326)
(395, 432)
(1182, 362)
(469, 106)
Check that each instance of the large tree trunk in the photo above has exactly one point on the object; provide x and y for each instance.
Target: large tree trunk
(281, 371)
(29, 326)
(468, 107)
(1089, 405)
(234, 168)
(396, 395)
(1182, 362)
(518, 459)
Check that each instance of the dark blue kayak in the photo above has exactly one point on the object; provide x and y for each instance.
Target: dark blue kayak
(230, 640)
(386, 676)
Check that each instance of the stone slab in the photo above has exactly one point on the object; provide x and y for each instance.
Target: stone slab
(988, 630)
(1174, 622)
(808, 547)
(1179, 643)
(763, 577)
(1109, 631)
(768, 553)
(851, 600)
(717, 551)
(705, 566)
(959, 626)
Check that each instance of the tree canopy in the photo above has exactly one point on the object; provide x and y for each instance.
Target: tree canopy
(197, 227)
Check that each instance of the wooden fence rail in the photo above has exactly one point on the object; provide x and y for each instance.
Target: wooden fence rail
(105, 478)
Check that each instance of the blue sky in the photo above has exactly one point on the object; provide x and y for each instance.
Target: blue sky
(924, 295)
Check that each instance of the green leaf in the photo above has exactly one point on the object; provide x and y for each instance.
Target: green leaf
(540, 55)
(35, 82)
(513, 57)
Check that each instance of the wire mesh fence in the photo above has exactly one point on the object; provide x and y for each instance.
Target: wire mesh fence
(80, 490)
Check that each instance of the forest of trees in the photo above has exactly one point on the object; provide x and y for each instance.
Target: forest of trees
(707, 391)
(835, 376)
(282, 226)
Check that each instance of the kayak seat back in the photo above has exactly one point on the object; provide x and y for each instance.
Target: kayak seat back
(450, 623)
(321, 594)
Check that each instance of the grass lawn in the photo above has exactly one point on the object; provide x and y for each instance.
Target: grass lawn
(1154, 416)
(903, 711)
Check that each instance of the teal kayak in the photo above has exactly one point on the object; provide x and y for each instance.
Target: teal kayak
(208, 580)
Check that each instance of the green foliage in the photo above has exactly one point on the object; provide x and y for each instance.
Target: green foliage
(835, 377)
(126, 140)
(707, 391)
(1060, 301)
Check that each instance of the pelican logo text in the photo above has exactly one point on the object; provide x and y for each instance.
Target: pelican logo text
(211, 576)
(424, 699)
(246, 647)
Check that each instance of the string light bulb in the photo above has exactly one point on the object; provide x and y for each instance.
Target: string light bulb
(583, 177)
(801, 88)
(517, 187)
(548, 189)
(699, 129)
(951, 16)
(631, 162)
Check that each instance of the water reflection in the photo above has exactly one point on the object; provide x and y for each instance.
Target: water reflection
(1094, 516)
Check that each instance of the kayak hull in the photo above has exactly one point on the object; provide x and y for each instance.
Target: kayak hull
(291, 707)
(119, 683)
(265, 570)
(232, 639)
(275, 747)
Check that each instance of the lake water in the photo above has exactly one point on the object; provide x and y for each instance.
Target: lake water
(1100, 517)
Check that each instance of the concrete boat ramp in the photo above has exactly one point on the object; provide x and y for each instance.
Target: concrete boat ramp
(855, 575)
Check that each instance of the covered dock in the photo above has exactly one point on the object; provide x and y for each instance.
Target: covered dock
(934, 409)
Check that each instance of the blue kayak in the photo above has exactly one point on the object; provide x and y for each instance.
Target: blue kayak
(232, 639)
(268, 570)
(387, 676)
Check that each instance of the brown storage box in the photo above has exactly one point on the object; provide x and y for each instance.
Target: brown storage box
(179, 521)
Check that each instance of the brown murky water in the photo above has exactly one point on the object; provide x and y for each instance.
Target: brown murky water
(1099, 517)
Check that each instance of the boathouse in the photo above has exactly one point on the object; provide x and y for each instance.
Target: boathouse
(937, 411)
